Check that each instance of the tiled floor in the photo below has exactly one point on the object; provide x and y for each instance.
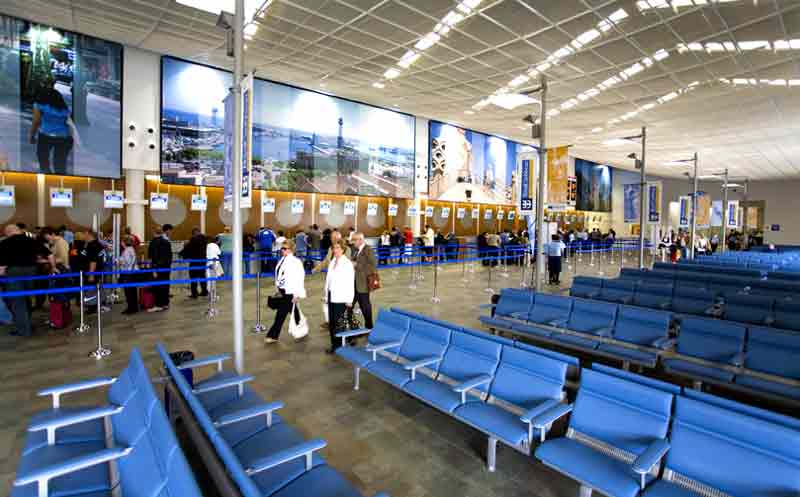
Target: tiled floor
(380, 438)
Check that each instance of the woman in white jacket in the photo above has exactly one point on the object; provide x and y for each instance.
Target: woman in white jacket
(340, 288)
(290, 281)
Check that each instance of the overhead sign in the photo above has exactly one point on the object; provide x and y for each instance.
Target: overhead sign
(372, 209)
(429, 211)
(445, 212)
(349, 208)
(732, 216)
(527, 187)
(298, 205)
(325, 207)
(487, 214)
(159, 201)
(476, 213)
(683, 209)
(199, 202)
(113, 199)
(461, 212)
(247, 140)
(7, 196)
(267, 204)
(392, 209)
(412, 211)
(511, 215)
(654, 203)
(61, 197)
(500, 215)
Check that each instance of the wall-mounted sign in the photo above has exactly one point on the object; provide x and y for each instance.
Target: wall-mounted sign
(487, 214)
(113, 199)
(7, 198)
(476, 213)
(392, 209)
(511, 215)
(412, 211)
(61, 197)
(445, 212)
(349, 208)
(159, 201)
(199, 202)
(267, 204)
(776, 227)
(298, 205)
(325, 207)
(501, 215)
(372, 209)
(461, 213)
(429, 211)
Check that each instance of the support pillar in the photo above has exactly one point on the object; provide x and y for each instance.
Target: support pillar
(135, 202)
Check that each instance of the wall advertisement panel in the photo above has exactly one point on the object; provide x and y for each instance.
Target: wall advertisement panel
(703, 210)
(684, 211)
(557, 179)
(631, 194)
(594, 186)
(654, 190)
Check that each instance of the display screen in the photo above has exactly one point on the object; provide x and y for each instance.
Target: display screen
(303, 141)
(468, 166)
(594, 186)
(60, 101)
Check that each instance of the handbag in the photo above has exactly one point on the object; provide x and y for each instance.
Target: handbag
(298, 329)
(348, 321)
(274, 301)
(373, 281)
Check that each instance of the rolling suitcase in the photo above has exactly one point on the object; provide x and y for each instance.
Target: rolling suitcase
(60, 314)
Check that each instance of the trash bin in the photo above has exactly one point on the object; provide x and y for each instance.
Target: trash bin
(179, 358)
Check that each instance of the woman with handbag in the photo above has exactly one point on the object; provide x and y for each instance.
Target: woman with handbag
(290, 278)
(340, 287)
(127, 262)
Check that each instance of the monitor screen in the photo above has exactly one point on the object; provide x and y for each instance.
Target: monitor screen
(60, 101)
(303, 141)
(594, 186)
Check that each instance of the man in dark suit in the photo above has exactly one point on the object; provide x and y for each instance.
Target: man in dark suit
(365, 264)
(194, 250)
(160, 254)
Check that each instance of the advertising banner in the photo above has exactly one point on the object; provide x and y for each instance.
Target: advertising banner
(557, 181)
(703, 210)
(732, 217)
(572, 190)
(247, 139)
(632, 194)
(716, 213)
(527, 186)
(654, 202)
(684, 207)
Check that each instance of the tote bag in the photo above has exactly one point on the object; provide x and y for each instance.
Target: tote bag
(298, 329)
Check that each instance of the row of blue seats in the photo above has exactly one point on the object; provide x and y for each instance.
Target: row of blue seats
(761, 361)
(623, 428)
(717, 283)
(73, 451)
(630, 436)
(261, 452)
(492, 384)
(762, 310)
(682, 269)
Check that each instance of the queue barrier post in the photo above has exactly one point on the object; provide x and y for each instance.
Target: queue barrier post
(435, 299)
(258, 328)
(489, 289)
(211, 311)
(82, 327)
(101, 351)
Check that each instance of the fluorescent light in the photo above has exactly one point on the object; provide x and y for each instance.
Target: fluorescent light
(543, 67)
(217, 6)
(408, 58)
(733, 185)
(391, 73)
(510, 101)
(452, 18)
(472, 4)
(661, 54)
(463, 8)
(618, 15)
(469, 112)
(587, 37)
(616, 142)
(251, 29)
(378, 85)
(518, 81)
(152, 177)
(427, 41)
(597, 130)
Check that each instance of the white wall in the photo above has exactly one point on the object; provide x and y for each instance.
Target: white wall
(141, 94)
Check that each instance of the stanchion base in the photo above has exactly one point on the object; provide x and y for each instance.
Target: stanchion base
(100, 352)
(420, 277)
(505, 275)
(435, 300)
(211, 314)
(259, 328)
(412, 287)
(114, 297)
(489, 290)
(80, 330)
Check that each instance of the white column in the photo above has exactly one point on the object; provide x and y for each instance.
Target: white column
(203, 213)
(41, 199)
(135, 201)
(416, 224)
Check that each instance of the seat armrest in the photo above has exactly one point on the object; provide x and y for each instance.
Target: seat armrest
(558, 323)
(603, 331)
(648, 459)
(60, 390)
(305, 449)
(375, 348)
(547, 418)
(769, 320)
(205, 361)
(519, 315)
(466, 386)
(54, 423)
(413, 366)
(664, 343)
(353, 333)
(224, 383)
(665, 305)
(737, 359)
(486, 306)
(529, 415)
(43, 475)
(249, 413)
(626, 300)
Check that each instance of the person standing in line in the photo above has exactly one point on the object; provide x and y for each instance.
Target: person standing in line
(136, 241)
(408, 245)
(127, 262)
(277, 244)
(714, 243)
(67, 234)
(314, 240)
(350, 234)
(59, 248)
(195, 250)
(339, 291)
(493, 248)
(290, 282)
(93, 255)
(385, 251)
(213, 266)
(301, 244)
(554, 251)
(429, 240)
(266, 239)
(365, 264)
(248, 249)
(226, 245)
(19, 255)
(160, 254)
(395, 241)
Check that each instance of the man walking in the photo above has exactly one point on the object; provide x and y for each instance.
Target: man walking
(19, 255)
(160, 254)
(194, 250)
(365, 265)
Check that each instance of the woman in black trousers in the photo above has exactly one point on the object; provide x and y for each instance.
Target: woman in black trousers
(340, 287)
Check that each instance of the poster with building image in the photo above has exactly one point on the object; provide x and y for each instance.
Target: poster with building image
(594, 186)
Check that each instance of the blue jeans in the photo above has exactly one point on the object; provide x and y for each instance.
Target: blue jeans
(5, 315)
(19, 305)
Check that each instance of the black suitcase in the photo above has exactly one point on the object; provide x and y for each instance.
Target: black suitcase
(179, 358)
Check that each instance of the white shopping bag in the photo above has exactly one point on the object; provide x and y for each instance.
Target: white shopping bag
(325, 310)
(298, 329)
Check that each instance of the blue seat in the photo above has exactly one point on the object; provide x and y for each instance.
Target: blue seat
(711, 340)
(424, 342)
(617, 433)
(620, 291)
(637, 378)
(787, 314)
(593, 318)
(513, 304)
(467, 357)
(724, 452)
(773, 352)
(146, 453)
(753, 309)
(524, 383)
(640, 327)
(655, 295)
(390, 327)
(586, 287)
(692, 300)
(550, 309)
(731, 405)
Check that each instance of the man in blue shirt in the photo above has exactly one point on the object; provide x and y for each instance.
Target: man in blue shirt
(554, 250)
(266, 239)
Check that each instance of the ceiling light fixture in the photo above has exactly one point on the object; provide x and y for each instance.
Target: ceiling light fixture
(378, 85)
(646, 5)
(391, 73)
(510, 101)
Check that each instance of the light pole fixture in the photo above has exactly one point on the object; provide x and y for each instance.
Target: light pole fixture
(640, 164)
(694, 160)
